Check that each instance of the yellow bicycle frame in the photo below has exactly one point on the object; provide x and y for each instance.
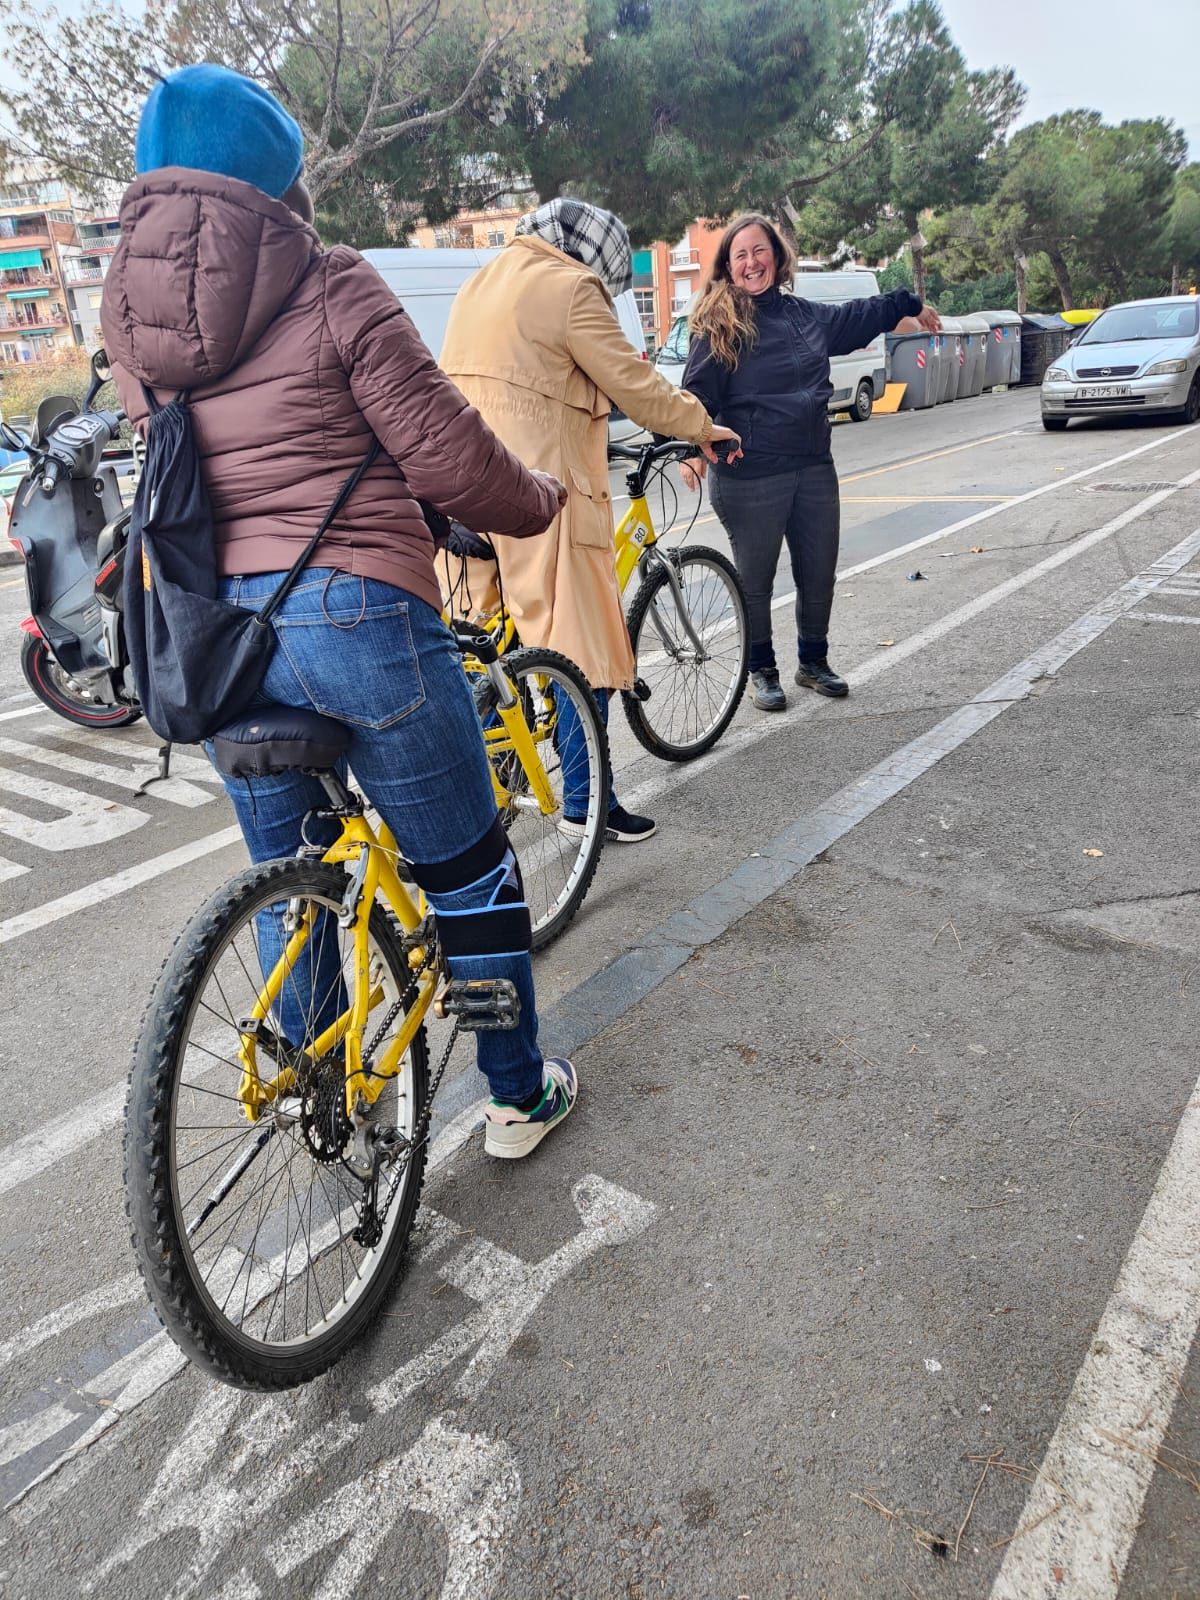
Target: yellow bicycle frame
(373, 854)
(378, 874)
(634, 533)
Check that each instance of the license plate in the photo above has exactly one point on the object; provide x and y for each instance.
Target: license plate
(1104, 391)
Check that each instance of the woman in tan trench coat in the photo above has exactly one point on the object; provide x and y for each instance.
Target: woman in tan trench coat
(534, 343)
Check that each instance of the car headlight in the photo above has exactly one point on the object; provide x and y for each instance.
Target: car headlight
(1056, 375)
(1162, 369)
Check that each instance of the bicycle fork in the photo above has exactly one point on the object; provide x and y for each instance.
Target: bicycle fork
(671, 645)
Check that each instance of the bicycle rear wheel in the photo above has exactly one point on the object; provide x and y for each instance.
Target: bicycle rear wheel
(253, 1238)
(693, 657)
(557, 855)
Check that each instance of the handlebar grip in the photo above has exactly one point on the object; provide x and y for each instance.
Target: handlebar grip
(51, 473)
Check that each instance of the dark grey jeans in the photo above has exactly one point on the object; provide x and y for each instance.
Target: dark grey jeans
(803, 507)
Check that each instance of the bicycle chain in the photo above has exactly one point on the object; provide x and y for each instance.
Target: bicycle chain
(373, 1219)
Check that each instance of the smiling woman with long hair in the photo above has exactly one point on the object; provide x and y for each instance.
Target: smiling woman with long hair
(759, 361)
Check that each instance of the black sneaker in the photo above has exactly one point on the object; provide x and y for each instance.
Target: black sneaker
(625, 828)
(768, 696)
(817, 675)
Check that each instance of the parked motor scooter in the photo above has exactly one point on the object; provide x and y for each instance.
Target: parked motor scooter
(71, 526)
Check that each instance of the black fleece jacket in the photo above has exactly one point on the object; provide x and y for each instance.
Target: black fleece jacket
(777, 397)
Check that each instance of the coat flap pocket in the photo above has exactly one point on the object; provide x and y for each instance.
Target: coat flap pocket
(596, 488)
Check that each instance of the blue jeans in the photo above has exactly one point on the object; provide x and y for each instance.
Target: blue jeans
(572, 752)
(384, 663)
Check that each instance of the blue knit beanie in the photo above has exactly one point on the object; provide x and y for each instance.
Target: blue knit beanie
(217, 121)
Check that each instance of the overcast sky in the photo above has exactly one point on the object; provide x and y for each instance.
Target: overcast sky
(1123, 58)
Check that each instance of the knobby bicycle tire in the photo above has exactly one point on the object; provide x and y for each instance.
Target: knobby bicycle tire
(159, 1231)
(533, 844)
(714, 716)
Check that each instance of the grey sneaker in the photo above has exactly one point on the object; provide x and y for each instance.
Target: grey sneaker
(819, 676)
(768, 696)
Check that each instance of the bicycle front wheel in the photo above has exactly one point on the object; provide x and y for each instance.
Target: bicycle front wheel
(693, 652)
(256, 1240)
(557, 839)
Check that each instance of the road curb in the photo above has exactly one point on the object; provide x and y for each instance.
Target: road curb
(10, 558)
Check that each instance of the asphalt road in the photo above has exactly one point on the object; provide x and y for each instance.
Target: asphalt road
(868, 1264)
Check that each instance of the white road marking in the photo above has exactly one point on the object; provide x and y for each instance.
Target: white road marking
(109, 1296)
(173, 789)
(25, 711)
(1083, 1511)
(736, 740)
(157, 1356)
(34, 1152)
(95, 894)
(467, 1483)
(448, 1472)
(1162, 616)
(87, 819)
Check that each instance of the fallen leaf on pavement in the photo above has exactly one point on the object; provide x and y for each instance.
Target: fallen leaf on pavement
(883, 643)
(1093, 852)
(976, 549)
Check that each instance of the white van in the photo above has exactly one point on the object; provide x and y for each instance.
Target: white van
(426, 281)
(858, 379)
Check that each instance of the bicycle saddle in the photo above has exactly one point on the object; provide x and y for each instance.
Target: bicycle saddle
(270, 739)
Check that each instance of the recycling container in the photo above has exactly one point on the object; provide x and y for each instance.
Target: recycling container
(1003, 365)
(974, 344)
(913, 361)
(1043, 339)
(951, 353)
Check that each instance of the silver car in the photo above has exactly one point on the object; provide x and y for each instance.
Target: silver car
(1141, 356)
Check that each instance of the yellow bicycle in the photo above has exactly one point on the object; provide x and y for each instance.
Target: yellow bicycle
(280, 1097)
(687, 621)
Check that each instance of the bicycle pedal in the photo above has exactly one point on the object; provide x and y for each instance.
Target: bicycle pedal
(480, 1005)
(641, 690)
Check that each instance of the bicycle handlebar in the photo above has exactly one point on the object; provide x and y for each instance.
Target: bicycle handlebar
(646, 454)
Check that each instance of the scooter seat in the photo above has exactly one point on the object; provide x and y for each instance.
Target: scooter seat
(271, 739)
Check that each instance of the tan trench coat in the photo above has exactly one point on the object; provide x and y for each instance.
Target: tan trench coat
(534, 343)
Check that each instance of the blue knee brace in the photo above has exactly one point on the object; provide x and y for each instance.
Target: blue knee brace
(479, 899)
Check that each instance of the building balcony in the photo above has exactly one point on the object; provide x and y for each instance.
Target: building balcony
(74, 280)
(12, 283)
(683, 260)
(47, 322)
(25, 241)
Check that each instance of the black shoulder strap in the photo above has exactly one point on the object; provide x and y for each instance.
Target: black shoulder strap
(152, 405)
(306, 555)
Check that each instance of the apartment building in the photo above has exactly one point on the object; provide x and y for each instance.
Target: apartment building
(85, 267)
(37, 226)
(472, 230)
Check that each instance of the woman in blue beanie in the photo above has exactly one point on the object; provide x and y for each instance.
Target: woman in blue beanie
(294, 357)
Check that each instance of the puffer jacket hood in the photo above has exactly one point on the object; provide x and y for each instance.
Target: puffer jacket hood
(204, 266)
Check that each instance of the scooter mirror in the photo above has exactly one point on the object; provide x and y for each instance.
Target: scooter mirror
(101, 366)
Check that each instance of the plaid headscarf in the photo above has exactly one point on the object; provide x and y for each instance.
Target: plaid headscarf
(589, 234)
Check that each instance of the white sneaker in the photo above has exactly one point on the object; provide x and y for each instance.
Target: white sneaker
(511, 1133)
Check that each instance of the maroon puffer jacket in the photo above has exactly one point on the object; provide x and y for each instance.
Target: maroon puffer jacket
(293, 356)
